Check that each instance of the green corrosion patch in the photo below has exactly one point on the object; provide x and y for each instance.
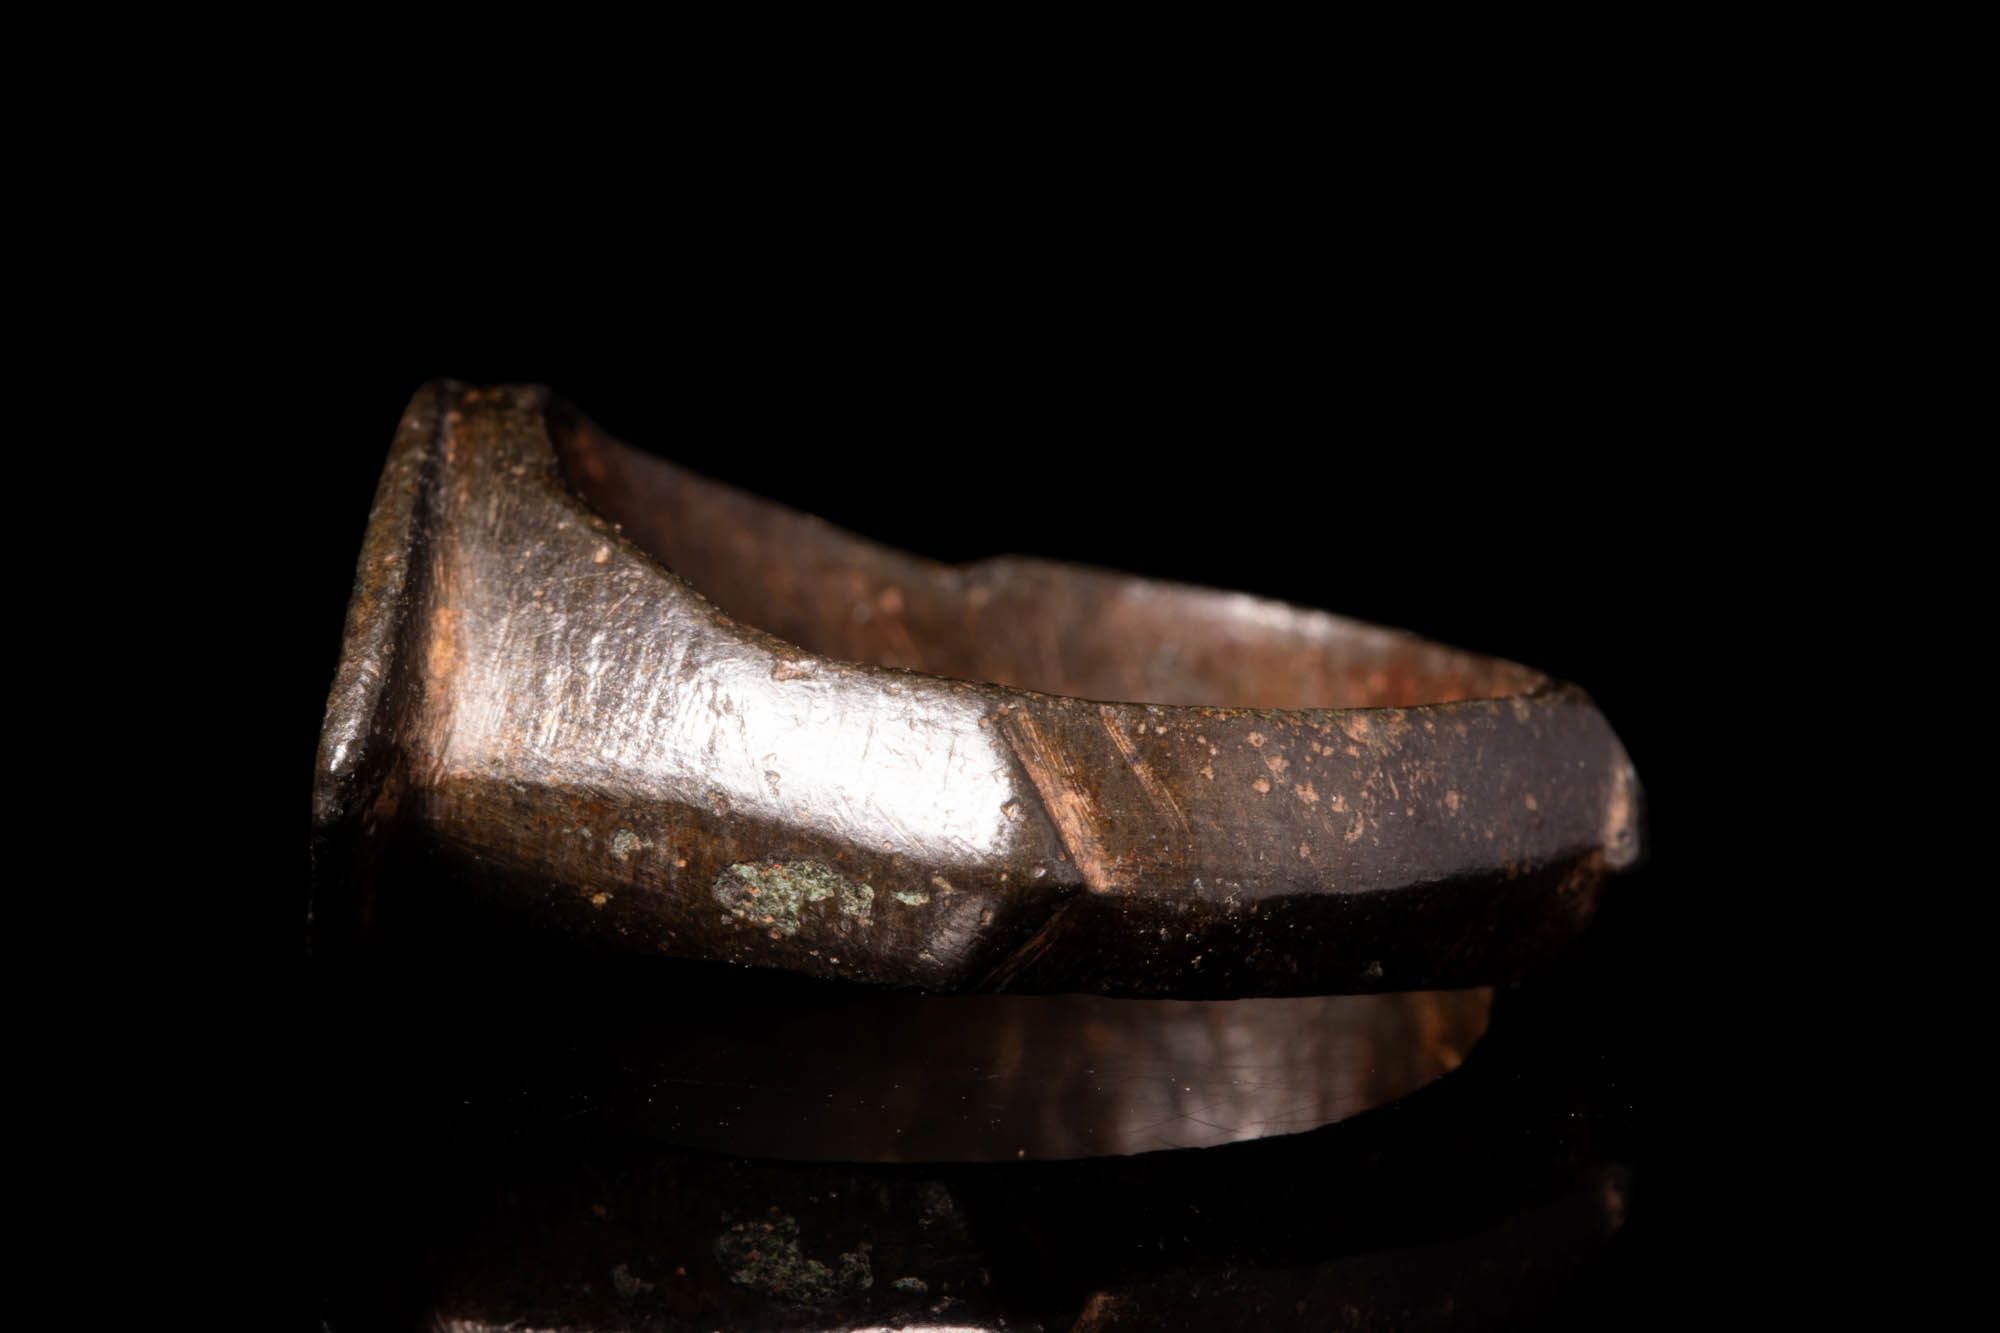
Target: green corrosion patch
(912, 899)
(766, 1255)
(773, 893)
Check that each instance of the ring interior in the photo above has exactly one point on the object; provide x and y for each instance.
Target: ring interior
(1031, 624)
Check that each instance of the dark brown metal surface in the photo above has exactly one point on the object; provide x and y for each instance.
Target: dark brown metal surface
(857, 764)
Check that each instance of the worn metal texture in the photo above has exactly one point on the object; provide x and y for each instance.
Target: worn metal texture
(587, 697)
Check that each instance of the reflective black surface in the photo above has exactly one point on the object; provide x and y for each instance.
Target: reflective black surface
(458, 1142)
(477, 1163)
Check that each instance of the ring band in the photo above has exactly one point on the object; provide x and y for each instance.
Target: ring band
(855, 763)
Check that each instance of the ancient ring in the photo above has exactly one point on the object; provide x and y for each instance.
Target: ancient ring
(587, 696)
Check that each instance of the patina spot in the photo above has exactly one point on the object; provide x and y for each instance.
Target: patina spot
(766, 1255)
(773, 893)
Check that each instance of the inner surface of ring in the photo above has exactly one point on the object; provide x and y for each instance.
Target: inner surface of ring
(1032, 624)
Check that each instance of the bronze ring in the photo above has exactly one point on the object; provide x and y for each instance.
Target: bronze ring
(541, 731)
